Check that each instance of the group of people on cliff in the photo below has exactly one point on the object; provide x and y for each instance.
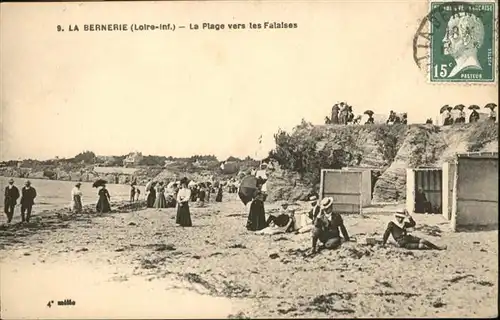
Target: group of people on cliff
(343, 114)
(459, 115)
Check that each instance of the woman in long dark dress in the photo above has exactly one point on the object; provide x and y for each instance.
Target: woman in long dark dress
(257, 215)
(151, 196)
(218, 198)
(183, 217)
(103, 205)
(161, 201)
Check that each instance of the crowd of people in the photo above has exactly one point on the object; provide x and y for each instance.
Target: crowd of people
(343, 114)
(322, 221)
(452, 115)
(158, 195)
(326, 225)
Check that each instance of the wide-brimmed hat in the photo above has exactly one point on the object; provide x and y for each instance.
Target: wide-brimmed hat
(326, 203)
(400, 214)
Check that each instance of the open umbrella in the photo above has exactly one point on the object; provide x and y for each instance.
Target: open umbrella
(459, 107)
(474, 107)
(490, 106)
(247, 189)
(444, 108)
(99, 183)
(369, 113)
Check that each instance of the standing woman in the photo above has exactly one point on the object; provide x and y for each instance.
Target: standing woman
(151, 195)
(161, 201)
(257, 214)
(218, 197)
(201, 195)
(183, 196)
(103, 205)
(76, 198)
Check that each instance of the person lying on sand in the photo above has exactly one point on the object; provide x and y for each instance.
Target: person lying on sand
(280, 224)
(398, 229)
(326, 227)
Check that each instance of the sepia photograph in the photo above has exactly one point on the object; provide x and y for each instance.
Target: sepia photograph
(249, 159)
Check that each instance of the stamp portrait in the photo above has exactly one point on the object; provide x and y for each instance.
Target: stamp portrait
(462, 44)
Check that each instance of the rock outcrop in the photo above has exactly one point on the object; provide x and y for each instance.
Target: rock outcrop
(390, 149)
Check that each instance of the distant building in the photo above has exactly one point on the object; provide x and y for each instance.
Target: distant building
(133, 159)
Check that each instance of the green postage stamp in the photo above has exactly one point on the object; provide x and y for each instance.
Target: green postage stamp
(462, 47)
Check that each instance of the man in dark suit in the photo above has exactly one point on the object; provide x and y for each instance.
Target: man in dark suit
(10, 199)
(27, 200)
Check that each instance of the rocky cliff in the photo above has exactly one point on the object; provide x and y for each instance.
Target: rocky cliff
(390, 149)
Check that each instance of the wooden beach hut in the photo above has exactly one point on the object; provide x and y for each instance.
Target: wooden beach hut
(474, 192)
(350, 189)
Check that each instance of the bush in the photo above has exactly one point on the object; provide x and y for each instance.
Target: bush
(389, 140)
(302, 152)
(87, 157)
(52, 175)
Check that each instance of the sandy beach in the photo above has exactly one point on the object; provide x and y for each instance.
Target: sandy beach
(138, 263)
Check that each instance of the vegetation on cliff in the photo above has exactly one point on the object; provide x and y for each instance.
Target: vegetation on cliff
(302, 153)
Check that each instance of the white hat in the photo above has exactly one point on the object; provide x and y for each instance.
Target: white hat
(313, 198)
(326, 202)
(400, 214)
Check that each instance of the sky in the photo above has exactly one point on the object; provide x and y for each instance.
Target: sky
(187, 92)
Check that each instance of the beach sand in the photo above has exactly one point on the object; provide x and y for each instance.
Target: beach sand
(139, 264)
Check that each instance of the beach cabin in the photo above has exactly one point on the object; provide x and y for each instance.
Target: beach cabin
(474, 200)
(375, 173)
(350, 189)
(430, 181)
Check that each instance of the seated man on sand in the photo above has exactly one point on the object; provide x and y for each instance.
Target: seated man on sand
(398, 229)
(326, 227)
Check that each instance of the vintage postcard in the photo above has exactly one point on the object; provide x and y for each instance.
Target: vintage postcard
(249, 159)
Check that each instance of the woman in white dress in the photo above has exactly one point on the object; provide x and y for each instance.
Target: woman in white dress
(76, 199)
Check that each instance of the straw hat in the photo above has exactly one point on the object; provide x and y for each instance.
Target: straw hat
(400, 214)
(313, 198)
(326, 203)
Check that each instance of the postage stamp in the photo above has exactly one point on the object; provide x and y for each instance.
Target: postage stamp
(462, 42)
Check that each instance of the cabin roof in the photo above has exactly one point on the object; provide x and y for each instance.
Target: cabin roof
(483, 155)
